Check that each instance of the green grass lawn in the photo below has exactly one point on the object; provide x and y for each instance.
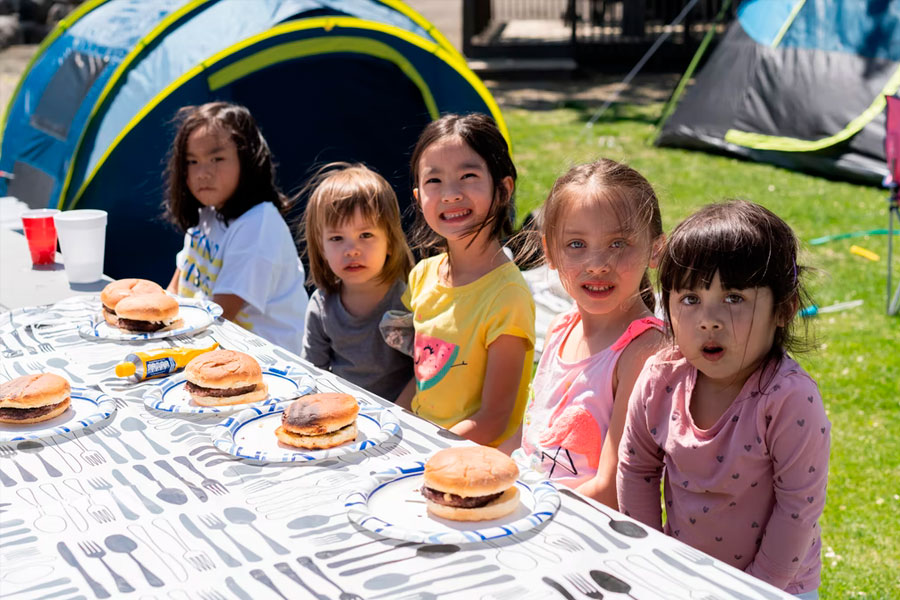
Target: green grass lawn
(857, 356)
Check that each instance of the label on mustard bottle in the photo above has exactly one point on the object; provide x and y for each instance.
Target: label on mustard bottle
(160, 366)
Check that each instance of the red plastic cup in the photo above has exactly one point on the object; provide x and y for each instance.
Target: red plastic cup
(40, 231)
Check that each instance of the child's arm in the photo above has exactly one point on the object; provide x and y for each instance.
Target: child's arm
(404, 399)
(316, 346)
(640, 460)
(231, 305)
(798, 439)
(505, 361)
(602, 487)
(172, 288)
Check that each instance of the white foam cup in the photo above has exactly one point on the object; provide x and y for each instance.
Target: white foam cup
(82, 241)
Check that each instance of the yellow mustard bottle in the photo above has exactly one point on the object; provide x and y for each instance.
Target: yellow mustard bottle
(146, 365)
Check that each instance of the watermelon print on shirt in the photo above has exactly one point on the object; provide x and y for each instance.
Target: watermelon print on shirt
(432, 359)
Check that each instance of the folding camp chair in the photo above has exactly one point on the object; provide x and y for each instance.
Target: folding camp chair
(892, 153)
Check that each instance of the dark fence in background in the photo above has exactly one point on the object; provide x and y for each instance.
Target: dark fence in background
(599, 34)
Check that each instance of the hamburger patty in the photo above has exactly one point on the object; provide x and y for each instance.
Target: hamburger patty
(193, 388)
(458, 501)
(108, 310)
(27, 413)
(142, 326)
(315, 433)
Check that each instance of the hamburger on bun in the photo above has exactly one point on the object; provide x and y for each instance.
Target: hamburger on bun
(319, 421)
(144, 313)
(116, 291)
(33, 398)
(470, 483)
(223, 377)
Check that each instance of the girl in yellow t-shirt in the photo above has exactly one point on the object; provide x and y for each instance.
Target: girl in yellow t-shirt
(472, 311)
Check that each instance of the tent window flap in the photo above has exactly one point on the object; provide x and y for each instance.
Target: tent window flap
(65, 92)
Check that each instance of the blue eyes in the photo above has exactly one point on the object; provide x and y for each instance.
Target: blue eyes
(578, 244)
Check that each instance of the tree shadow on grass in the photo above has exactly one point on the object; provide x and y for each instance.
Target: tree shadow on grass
(588, 94)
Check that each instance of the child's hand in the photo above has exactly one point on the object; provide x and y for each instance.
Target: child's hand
(172, 288)
(231, 305)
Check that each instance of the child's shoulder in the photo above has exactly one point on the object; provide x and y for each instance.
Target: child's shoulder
(505, 284)
(791, 380)
(264, 212)
(424, 271)
(669, 358)
(428, 265)
(261, 224)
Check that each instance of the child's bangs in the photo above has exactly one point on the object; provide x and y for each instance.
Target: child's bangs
(341, 209)
(694, 258)
(633, 218)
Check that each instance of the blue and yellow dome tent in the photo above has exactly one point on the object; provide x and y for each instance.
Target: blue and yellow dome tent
(91, 120)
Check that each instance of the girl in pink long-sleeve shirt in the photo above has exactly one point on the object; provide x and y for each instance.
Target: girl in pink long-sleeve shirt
(735, 424)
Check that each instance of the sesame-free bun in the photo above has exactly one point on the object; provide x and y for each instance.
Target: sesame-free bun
(33, 395)
(224, 377)
(318, 442)
(470, 471)
(456, 477)
(496, 509)
(110, 317)
(148, 307)
(317, 421)
(116, 291)
(32, 391)
(318, 414)
(223, 369)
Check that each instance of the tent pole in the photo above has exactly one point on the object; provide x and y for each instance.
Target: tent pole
(669, 108)
(893, 302)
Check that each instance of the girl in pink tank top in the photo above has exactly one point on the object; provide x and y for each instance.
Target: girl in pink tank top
(601, 230)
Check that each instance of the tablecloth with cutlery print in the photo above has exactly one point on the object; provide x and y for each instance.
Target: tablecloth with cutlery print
(142, 505)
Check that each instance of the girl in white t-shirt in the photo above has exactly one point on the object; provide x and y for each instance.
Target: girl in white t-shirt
(238, 250)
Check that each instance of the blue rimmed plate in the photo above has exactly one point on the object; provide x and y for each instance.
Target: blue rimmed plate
(390, 504)
(196, 315)
(250, 434)
(284, 383)
(86, 408)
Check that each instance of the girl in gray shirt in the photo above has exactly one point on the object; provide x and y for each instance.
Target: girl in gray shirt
(359, 261)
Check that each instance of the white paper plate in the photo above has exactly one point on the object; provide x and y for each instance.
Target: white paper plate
(196, 314)
(391, 505)
(87, 407)
(169, 394)
(250, 434)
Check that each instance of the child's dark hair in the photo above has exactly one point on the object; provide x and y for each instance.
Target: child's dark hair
(628, 193)
(257, 177)
(480, 133)
(749, 246)
(334, 193)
